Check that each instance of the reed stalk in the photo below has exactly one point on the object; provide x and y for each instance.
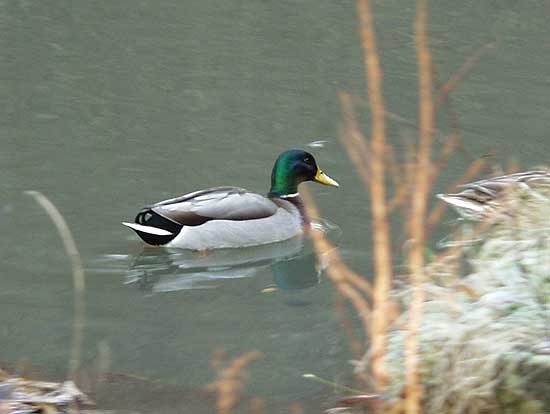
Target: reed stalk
(377, 188)
(79, 281)
(413, 398)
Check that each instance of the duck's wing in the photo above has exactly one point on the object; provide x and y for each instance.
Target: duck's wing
(220, 203)
(469, 203)
(494, 186)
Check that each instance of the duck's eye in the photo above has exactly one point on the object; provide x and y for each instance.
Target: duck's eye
(307, 160)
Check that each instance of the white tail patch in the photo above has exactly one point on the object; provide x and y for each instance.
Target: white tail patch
(147, 229)
(462, 203)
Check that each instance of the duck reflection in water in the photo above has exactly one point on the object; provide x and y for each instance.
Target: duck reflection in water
(292, 264)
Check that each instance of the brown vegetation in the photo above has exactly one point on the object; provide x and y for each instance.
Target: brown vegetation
(230, 381)
(410, 181)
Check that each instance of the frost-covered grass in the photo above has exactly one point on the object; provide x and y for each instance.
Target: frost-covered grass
(485, 336)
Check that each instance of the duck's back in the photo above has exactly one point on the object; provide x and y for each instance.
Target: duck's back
(285, 223)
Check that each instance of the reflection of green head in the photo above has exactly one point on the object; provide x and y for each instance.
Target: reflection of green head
(298, 273)
(293, 167)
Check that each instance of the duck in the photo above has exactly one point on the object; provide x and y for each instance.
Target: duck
(481, 199)
(233, 217)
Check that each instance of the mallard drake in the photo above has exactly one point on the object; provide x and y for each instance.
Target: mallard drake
(480, 199)
(225, 217)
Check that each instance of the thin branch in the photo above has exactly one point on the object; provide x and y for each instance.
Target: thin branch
(475, 168)
(347, 282)
(395, 168)
(79, 281)
(381, 230)
(354, 141)
(355, 345)
(410, 169)
(462, 71)
(401, 189)
(413, 398)
(229, 383)
(446, 152)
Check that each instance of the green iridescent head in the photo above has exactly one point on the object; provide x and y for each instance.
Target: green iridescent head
(293, 167)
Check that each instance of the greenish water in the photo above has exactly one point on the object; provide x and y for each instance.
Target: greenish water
(107, 106)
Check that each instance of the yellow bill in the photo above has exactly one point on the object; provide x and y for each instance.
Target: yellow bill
(322, 178)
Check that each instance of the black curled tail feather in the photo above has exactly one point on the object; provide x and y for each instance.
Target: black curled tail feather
(141, 217)
(148, 217)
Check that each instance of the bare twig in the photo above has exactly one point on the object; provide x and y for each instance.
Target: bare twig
(468, 64)
(395, 168)
(473, 170)
(399, 197)
(447, 151)
(229, 383)
(354, 141)
(355, 345)
(347, 282)
(413, 396)
(400, 184)
(381, 229)
(410, 173)
(79, 281)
